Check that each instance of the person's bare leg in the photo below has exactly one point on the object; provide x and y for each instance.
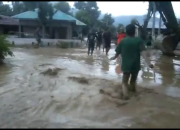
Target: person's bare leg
(125, 80)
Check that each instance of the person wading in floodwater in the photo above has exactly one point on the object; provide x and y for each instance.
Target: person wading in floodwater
(103, 39)
(80, 37)
(99, 39)
(107, 40)
(38, 35)
(130, 49)
(149, 41)
(120, 35)
(91, 41)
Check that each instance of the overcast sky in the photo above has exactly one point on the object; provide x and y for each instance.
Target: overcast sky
(129, 8)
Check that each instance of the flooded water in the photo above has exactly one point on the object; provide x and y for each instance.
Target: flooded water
(83, 92)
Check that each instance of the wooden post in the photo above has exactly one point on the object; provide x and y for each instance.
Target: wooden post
(43, 32)
(69, 32)
(154, 20)
(19, 30)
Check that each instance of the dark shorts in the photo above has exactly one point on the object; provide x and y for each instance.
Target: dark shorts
(148, 43)
(99, 43)
(107, 44)
(91, 46)
(131, 75)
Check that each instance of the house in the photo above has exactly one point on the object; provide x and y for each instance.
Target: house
(62, 24)
(8, 24)
(149, 29)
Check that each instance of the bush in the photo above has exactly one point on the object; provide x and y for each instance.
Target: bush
(64, 45)
(4, 47)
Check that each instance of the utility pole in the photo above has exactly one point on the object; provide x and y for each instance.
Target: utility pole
(154, 18)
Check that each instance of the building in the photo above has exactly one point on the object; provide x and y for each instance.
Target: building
(8, 25)
(61, 26)
(149, 29)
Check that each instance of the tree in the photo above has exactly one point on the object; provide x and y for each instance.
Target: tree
(5, 9)
(30, 5)
(88, 12)
(83, 16)
(4, 48)
(112, 29)
(42, 13)
(106, 22)
(108, 19)
(50, 13)
(45, 15)
(18, 7)
(63, 6)
(120, 26)
(80, 5)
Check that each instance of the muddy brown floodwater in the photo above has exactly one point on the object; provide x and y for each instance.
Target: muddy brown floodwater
(55, 88)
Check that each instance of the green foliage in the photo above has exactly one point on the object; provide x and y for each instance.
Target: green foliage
(80, 5)
(4, 48)
(63, 6)
(63, 45)
(107, 23)
(112, 29)
(88, 12)
(108, 19)
(120, 26)
(45, 14)
(17, 7)
(134, 21)
(30, 5)
(5, 9)
(83, 16)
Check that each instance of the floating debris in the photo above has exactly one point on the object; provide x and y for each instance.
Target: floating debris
(45, 64)
(52, 72)
(81, 80)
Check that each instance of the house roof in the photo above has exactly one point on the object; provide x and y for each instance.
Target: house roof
(156, 26)
(6, 20)
(78, 22)
(59, 15)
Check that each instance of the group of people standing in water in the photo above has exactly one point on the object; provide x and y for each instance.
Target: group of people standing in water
(98, 39)
(129, 48)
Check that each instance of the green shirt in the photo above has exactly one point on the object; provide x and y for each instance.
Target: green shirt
(130, 48)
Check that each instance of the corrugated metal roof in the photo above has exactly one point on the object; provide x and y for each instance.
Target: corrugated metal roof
(6, 20)
(62, 16)
(26, 15)
(79, 23)
(59, 15)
